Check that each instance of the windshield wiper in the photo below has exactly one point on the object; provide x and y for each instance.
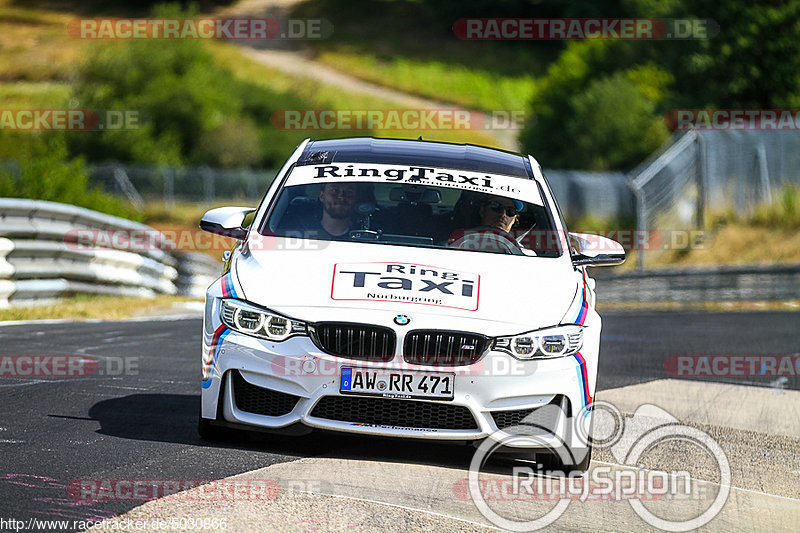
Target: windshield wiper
(410, 239)
(369, 235)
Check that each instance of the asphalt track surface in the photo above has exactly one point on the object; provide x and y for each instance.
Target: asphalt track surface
(141, 423)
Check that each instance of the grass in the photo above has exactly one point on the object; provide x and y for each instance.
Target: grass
(182, 214)
(34, 44)
(181, 224)
(784, 212)
(739, 243)
(768, 236)
(437, 80)
(325, 96)
(37, 57)
(36, 94)
(411, 47)
(84, 307)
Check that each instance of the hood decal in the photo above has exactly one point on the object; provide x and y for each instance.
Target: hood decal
(407, 283)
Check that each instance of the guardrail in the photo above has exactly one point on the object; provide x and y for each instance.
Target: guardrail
(42, 256)
(729, 283)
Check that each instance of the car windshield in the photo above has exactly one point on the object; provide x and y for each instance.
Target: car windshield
(410, 212)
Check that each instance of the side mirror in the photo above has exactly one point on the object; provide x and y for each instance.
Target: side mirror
(226, 221)
(595, 250)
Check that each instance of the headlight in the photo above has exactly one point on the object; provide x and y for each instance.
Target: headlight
(251, 320)
(551, 342)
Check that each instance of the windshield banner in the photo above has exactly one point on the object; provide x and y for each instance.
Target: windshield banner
(512, 187)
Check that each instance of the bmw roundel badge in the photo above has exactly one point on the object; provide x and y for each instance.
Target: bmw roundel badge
(402, 320)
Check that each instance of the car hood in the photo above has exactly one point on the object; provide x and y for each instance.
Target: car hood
(493, 294)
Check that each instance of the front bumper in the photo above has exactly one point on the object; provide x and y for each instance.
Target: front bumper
(495, 389)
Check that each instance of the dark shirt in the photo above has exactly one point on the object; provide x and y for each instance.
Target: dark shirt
(312, 229)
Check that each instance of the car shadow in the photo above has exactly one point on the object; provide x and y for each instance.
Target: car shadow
(172, 418)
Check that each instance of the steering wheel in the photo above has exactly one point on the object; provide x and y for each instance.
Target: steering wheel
(485, 238)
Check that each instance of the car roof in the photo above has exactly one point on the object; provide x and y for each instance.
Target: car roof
(416, 153)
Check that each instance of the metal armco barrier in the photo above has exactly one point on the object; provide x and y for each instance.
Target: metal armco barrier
(730, 283)
(42, 257)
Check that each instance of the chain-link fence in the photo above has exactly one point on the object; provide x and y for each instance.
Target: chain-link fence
(140, 183)
(695, 173)
(713, 171)
(605, 195)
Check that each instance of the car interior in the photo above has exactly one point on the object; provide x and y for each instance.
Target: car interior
(411, 214)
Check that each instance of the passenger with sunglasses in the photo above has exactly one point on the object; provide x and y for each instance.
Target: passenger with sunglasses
(497, 216)
(500, 212)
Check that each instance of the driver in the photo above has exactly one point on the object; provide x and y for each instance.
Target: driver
(338, 203)
(331, 216)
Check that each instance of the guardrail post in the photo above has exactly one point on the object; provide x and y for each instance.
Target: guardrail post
(702, 181)
(208, 185)
(641, 225)
(168, 174)
(762, 170)
(127, 187)
(252, 188)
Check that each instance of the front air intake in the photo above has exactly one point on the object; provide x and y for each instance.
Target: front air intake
(443, 348)
(364, 342)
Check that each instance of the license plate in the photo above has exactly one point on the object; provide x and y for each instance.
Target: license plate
(397, 384)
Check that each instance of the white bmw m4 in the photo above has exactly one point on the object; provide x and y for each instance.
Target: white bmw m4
(408, 289)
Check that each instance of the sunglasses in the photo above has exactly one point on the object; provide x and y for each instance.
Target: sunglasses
(509, 210)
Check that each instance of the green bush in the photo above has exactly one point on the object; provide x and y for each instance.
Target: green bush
(192, 110)
(581, 119)
(614, 123)
(46, 172)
